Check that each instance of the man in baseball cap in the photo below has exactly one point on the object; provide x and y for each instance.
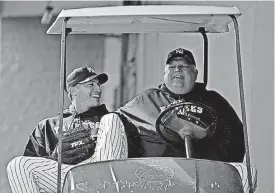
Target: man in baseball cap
(180, 71)
(83, 87)
(180, 85)
(81, 122)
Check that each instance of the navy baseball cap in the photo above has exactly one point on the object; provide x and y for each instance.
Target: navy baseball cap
(82, 75)
(180, 52)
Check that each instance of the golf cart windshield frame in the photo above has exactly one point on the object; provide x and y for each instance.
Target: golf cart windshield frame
(149, 19)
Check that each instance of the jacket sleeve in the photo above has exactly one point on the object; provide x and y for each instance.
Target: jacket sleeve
(131, 110)
(36, 143)
(229, 137)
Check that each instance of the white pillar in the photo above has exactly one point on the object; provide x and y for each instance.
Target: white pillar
(112, 62)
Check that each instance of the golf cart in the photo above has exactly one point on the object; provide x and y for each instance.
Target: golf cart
(156, 174)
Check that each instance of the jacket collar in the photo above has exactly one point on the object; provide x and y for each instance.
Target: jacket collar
(93, 111)
(196, 92)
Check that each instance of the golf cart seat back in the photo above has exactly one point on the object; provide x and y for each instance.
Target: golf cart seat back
(174, 175)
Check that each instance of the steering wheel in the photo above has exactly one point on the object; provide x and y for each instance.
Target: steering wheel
(184, 121)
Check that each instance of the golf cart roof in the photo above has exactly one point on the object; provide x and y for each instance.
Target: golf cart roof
(145, 19)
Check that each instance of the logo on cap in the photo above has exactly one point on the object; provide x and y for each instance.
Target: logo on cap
(90, 70)
(179, 51)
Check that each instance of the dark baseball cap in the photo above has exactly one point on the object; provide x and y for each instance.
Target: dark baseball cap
(180, 52)
(84, 74)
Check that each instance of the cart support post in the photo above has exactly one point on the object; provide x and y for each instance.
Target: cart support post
(241, 87)
(205, 55)
(64, 34)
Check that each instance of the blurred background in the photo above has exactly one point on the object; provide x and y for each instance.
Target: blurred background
(30, 63)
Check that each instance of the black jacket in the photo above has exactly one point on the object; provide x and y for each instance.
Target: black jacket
(226, 144)
(44, 137)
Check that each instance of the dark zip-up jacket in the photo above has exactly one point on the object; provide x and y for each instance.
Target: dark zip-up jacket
(44, 137)
(226, 144)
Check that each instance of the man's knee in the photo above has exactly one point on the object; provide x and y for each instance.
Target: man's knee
(26, 163)
(14, 162)
(111, 118)
(112, 140)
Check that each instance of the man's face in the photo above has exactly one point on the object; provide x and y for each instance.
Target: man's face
(88, 93)
(179, 76)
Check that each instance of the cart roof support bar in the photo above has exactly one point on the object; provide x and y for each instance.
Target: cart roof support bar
(64, 34)
(241, 87)
(205, 55)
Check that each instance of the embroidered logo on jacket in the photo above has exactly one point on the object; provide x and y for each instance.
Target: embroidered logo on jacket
(183, 111)
(78, 125)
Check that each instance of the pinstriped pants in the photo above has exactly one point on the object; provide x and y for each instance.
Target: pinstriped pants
(37, 174)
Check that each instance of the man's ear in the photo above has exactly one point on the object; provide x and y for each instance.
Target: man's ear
(196, 73)
(73, 90)
(165, 69)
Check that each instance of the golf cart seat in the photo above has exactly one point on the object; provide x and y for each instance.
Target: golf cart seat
(158, 175)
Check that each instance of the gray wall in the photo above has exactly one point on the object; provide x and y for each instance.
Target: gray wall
(29, 80)
(262, 102)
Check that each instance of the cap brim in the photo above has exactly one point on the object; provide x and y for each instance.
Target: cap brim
(172, 57)
(102, 78)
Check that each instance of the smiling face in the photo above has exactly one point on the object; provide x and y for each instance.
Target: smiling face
(86, 95)
(179, 76)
